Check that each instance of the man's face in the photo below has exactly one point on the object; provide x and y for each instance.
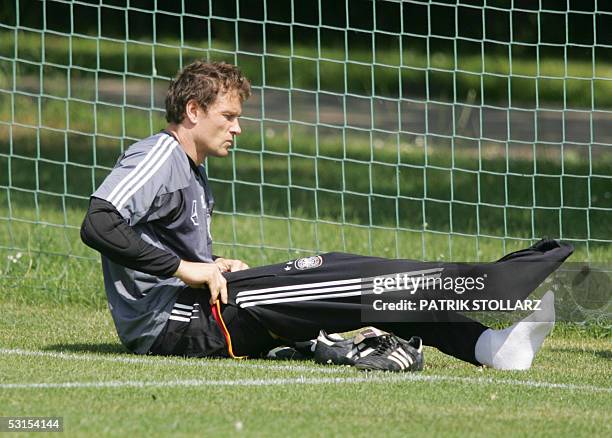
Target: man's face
(215, 129)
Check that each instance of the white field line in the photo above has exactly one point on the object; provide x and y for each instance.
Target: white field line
(305, 381)
(373, 378)
(160, 360)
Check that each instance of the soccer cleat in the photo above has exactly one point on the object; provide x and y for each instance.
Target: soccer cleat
(394, 354)
(303, 350)
(334, 349)
(285, 353)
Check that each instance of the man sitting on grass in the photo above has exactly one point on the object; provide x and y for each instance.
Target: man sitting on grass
(169, 295)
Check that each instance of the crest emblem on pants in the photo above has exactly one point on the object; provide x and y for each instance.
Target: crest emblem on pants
(309, 262)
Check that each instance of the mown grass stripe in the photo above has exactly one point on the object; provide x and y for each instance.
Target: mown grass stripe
(306, 381)
(374, 378)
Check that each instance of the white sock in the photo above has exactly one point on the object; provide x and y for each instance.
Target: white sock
(515, 347)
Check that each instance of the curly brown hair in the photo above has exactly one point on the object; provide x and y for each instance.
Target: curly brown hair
(203, 81)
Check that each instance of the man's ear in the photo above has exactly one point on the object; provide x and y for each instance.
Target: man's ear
(191, 110)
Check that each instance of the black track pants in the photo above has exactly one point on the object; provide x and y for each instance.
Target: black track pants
(333, 291)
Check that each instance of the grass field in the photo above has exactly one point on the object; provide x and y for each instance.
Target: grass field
(66, 361)
(61, 356)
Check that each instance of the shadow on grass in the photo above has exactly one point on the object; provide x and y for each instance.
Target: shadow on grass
(106, 348)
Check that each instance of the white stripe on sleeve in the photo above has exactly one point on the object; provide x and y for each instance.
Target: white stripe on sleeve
(156, 165)
(134, 172)
(142, 172)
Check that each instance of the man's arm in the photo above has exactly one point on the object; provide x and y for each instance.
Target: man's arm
(105, 230)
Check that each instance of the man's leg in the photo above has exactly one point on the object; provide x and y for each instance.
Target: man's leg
(513, 348)
(193, 331)
(296, 299)
(451, 333)
(248, 336)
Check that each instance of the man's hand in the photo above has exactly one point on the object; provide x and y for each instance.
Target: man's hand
(229, 265)
(204, 274)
